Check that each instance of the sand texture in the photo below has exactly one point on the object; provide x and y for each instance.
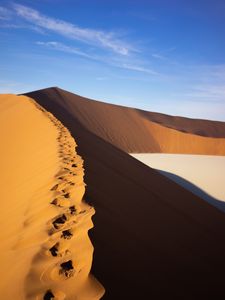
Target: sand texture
(138, 131)
(45, 250)
(201, 174)
(153, 239)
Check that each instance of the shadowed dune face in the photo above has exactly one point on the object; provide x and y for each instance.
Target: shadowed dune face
(152, 238)
(137, 131)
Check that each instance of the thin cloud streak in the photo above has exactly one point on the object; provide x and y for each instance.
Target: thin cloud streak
(67, 49)
(93, 37)
(72, 50)
(5, 14)
(139, 69)
(214, 93)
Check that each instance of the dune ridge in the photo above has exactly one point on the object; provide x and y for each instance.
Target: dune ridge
(54, 237)
(137, 131)
(152, 238)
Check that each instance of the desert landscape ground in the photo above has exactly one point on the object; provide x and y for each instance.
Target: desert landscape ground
(156, 235)
(112, 156)
(150, 233)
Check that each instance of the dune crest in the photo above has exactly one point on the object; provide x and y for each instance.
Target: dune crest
(152, 237)
(46, 223)
(137, 131)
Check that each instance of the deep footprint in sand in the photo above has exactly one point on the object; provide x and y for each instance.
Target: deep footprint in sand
(48, 295)
(67, 195)
(67, 234)
(59, 221)
(60, 202)
(72, 210)
(54, 250)
(56, 295)
(67, 269)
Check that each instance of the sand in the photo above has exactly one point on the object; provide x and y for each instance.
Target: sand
(202, 174)
(137, 131)
(153, 239)
(45, 249)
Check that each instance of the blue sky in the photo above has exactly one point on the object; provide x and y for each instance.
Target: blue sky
(158, 55)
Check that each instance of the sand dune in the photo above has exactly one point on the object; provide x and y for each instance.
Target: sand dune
(45, 251)
(152, 238)
(137, 131)
(202, 174)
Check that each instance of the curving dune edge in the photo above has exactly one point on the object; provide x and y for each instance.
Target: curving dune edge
(45, 249)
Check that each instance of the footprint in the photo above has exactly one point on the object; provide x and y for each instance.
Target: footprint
(66, 169)
(55, 202)
(54, 250)
(48, 295)
(54, 187)
(59, 221)
(66, 234)
(72, 210)
(67, 195)
(67, 269)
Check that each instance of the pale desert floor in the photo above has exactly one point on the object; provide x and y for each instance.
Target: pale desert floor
(202, 174)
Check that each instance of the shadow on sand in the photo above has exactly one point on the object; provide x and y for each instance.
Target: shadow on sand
(194, 189)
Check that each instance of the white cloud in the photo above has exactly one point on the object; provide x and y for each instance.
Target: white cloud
(138, 68)
(22, 26)
(101, 78)
(5, 14)
(64, 48)
(97, 38)
(215, 92)
(158, 56)
(112, 62)
(13, 87)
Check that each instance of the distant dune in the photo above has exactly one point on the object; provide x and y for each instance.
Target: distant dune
(138, 131)
(152, 238)
(45, 251)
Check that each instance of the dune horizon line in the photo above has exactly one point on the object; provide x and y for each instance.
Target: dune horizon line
(136, 131)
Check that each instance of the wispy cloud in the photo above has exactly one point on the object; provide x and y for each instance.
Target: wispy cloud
(114, 62)
(98, 38)
(14, 87)
(158, 56)
(138, 68)
(22, 26)
(101, 78)
(5, 14)
(210, 93)
(64, 48)
(162, 55)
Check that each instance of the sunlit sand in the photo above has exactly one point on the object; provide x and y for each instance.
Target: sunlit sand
(45, 250)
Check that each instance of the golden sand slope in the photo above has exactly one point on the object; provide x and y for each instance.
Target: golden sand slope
(45, 250)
